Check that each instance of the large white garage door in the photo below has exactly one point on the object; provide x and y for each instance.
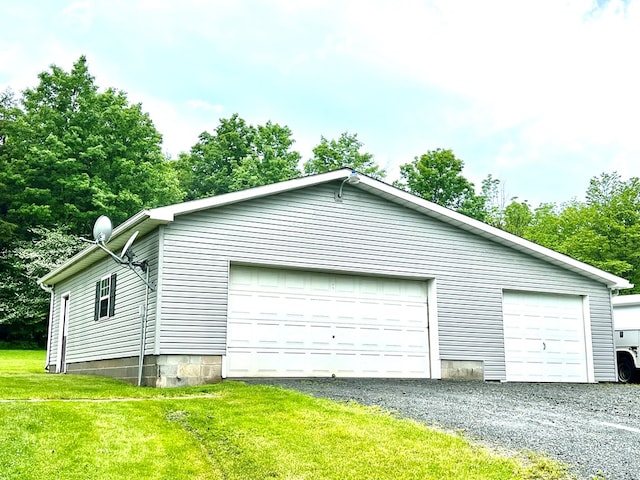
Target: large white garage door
(544, 337)
(287, 323)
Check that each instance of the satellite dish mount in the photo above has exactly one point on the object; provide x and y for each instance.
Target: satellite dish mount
(102, 231)
(127, 256)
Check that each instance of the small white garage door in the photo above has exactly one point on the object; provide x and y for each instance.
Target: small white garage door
(287, 323)
(544, 337)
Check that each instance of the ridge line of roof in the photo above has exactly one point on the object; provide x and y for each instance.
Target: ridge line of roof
(247, 194)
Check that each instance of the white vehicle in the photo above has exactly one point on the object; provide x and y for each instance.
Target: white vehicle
(626, 323)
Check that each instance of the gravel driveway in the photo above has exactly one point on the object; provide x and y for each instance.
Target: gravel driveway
(594, 428)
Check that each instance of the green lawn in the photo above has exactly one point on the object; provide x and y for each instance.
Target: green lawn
(80, 427)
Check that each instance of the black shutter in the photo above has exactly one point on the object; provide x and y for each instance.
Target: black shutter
(112, 296)
(96, 313)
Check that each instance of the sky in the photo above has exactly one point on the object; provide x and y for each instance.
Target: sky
(541, 94)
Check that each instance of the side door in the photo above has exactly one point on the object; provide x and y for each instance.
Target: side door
(63, 332)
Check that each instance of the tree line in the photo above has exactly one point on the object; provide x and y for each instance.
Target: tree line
(70, 152)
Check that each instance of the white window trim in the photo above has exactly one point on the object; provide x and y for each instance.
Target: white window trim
(104, 297)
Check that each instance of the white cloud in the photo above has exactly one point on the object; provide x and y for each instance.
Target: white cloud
(536, 83)
(538, 53)
(560, 81)
(206, 106)
(77, 15)
(179, 123)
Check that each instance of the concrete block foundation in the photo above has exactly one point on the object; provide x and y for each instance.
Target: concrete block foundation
(157, 371)
(184, 370)
(462, 370)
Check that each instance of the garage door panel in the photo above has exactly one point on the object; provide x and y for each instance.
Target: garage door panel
(526, 372)
(268, 278)
(294, 280)
(294, 335)
(274, 363)
(346, 286)
(544, 337)
(327, 323)
(258, 307)
(240, 334)
(318, 336)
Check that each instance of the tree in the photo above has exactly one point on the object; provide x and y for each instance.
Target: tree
(437, 177)
(23, 306)
(72, 153)
(8, 178)
(345, 152)
(517, 217)
(603, 231)
(544, 228)
(236, 156)
(614, 216)
(215, 156)
(270, 161)
(494, 202)
(68, 153)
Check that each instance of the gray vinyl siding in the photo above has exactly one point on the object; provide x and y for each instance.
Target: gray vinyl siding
(117, 336)
(368, 235)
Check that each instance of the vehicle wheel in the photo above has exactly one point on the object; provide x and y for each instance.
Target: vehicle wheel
(626, 369)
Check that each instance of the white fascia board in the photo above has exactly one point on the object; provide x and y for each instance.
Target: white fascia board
(141, 221)
(161, 214)
(487, 231)
(170, 211)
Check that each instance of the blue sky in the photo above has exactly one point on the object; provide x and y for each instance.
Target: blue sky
(542, 94)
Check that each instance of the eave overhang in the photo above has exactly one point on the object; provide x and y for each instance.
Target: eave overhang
(148, 220)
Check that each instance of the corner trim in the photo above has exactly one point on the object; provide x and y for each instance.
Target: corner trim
(588, 340)
(434, 334)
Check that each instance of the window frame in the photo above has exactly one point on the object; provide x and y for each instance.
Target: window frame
(105, 296)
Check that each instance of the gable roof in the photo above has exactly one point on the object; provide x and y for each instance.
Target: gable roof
(147, 220)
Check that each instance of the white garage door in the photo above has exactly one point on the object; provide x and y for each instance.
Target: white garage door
(287, 323)
(544, 337)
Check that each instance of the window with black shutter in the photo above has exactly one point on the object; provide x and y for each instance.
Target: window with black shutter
(105, 303)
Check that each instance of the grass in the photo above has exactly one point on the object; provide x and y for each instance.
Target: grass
(97, 428)
(21, 361)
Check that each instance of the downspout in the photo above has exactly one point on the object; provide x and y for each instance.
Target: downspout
(51, 291)
(143, 328)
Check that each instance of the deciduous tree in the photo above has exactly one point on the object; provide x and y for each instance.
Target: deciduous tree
(72, 153)
(437, 177)
(10, 179)
(68, 153)
(603, 231)
(345, 152)
(517, 217)
(236, 156)
(24, 306)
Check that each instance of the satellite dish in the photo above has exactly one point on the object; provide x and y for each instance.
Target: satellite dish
(127, 245)
(102, 229)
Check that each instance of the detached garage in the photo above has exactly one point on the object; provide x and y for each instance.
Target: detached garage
(327, 276)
